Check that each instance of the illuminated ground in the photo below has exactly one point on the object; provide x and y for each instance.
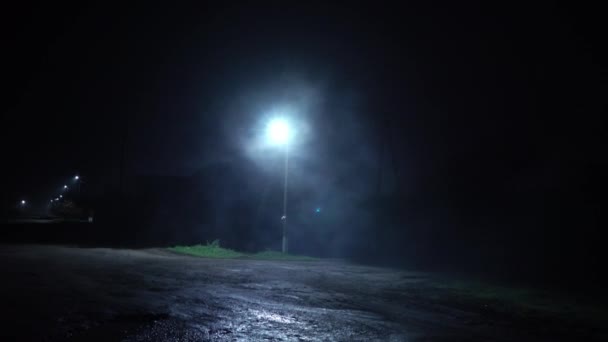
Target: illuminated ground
(58, 293)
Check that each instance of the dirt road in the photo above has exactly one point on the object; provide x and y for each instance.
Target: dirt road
(52, 293)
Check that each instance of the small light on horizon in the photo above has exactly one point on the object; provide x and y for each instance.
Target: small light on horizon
(76, 177)
(65, 186)
(318, 210)
(60, 196)
(23, 202)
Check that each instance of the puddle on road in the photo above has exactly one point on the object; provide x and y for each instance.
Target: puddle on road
(269, 316)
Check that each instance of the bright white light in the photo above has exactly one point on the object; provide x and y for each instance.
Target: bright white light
(76, 178)
(60, 196)
(22, 202)
(278, 132)
(65, 186)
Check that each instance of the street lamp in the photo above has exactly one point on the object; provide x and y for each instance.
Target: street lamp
(78, 181)
(278, 133)
(23, 202)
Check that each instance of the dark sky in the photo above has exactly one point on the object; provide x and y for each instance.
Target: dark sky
(484, 113)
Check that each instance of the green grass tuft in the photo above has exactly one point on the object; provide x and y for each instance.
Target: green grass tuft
(210, 250)
(274, 255)
(213, 250)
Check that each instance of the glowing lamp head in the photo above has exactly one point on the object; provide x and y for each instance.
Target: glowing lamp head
(76, 177)
(278, 132)
(22, 202)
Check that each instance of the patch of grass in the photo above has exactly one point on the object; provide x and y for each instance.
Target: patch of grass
(213, 250)
(210, 250)
(274, 255)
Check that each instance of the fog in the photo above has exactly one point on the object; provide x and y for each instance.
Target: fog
(425, 143)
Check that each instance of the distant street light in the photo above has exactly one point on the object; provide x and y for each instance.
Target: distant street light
(65, 187)
(279, 134)
(60, 196)
(23, 202)
(78, 182)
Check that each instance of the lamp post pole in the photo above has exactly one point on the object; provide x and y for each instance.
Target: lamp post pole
(284, 218)
(278, 134)
(78, 181)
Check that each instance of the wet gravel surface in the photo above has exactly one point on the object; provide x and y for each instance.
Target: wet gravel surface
(51, 293)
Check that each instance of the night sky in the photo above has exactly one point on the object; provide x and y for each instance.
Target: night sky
(445, 133)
